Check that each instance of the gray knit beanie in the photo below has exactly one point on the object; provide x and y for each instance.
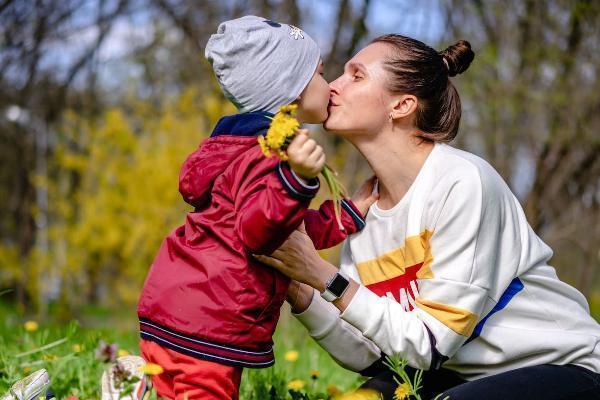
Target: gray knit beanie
(261, 65)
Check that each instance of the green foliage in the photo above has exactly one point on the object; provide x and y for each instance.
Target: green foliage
(113, 196)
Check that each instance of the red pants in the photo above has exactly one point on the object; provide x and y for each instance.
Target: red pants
(186, 377)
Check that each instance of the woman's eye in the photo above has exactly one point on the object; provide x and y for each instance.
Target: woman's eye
(356, 77)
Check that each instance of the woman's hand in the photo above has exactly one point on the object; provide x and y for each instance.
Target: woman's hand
(298, 259)
(365, 196)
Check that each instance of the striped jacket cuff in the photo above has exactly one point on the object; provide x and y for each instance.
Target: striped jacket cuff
(356, 215)
(294, 185)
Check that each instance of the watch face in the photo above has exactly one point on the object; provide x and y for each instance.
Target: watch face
(338, 285)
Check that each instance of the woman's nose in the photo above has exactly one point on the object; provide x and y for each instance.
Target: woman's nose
(334, 86)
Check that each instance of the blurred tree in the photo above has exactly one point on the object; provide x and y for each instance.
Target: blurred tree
(123, 94)
(531, 108)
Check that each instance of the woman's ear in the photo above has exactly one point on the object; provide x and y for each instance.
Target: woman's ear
(404, 106)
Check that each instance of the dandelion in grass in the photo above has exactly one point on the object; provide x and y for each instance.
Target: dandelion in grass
(77, 348)
(280, 134)
(122, 353)
(362, 394)
(296, 384)
(314, 374)
(291, 355)
(49, 357)
(402, 392)
(31, 326)
(151, 369)
(408, 386)
(333, 391)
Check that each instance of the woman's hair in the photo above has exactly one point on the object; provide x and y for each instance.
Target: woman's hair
(419, 70)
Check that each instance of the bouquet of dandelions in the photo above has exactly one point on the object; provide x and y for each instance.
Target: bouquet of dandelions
(282, 131)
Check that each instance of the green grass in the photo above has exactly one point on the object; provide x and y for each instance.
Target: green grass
(77, 373)
(68, 353)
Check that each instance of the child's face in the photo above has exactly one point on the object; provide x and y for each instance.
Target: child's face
(313, 101)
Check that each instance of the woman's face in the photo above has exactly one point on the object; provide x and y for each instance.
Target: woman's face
(360, 102)
(312, 104)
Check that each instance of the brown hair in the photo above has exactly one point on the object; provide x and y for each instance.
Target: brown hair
(420, 70)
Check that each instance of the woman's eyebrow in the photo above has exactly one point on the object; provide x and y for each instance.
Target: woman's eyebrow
(355, 65)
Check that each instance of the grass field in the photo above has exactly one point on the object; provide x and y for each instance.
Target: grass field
(67, 351)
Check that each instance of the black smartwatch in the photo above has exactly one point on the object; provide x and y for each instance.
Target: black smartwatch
(336, 287)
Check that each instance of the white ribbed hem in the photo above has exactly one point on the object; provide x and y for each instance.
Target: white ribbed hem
(303, 182)
(319, 317)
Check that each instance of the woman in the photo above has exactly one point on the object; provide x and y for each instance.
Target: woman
(447, 272)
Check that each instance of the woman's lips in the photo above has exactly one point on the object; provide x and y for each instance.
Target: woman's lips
(330, 105)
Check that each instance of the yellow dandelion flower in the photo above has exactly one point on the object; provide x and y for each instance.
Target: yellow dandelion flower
(291, 356)
(281, 132)
(26, 370)
(77, 348)
(49, 357)
(402, 392)
(31, 326)
(122, 353)
(362, 394)
(333, 391)
(296, 384)
(314, 374)
(151, 369)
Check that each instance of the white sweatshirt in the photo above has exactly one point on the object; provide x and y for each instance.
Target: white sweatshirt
(454, 272)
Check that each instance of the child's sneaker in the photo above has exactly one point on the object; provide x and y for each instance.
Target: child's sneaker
(29, 388)
(114, 381)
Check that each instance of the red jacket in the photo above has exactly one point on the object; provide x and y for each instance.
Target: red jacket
(205, 295)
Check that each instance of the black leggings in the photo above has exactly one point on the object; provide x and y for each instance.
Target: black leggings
(548, 382)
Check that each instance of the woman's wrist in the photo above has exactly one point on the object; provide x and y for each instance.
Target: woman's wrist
(343, 302)
(299, 297)
(321, 272)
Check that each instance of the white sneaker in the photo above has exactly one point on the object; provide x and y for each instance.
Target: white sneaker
(29, 388)
(112, 380)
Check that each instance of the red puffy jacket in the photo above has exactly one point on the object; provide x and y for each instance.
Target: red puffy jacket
(205, 295)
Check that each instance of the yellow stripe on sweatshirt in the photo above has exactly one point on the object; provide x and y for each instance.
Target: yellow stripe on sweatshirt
(392, 264)
(459, 320)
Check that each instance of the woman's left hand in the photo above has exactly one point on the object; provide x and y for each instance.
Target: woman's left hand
(298, 259)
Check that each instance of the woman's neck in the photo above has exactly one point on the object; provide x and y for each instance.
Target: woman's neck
(396, 158)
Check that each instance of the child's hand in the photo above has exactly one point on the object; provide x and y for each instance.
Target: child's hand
(365, 196)
(305, 156)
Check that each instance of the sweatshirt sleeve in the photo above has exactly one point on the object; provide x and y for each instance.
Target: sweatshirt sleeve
(322, 227)
(452, 290)
(346, 344)
(269, 201)
(336, 336)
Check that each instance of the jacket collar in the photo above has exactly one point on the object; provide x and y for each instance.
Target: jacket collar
(245, 124)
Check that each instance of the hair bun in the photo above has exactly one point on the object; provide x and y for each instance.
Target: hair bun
(459, 57)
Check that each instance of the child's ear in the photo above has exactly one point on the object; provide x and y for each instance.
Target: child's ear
(404, 106)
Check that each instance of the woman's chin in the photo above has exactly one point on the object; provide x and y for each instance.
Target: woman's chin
(330, 124)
